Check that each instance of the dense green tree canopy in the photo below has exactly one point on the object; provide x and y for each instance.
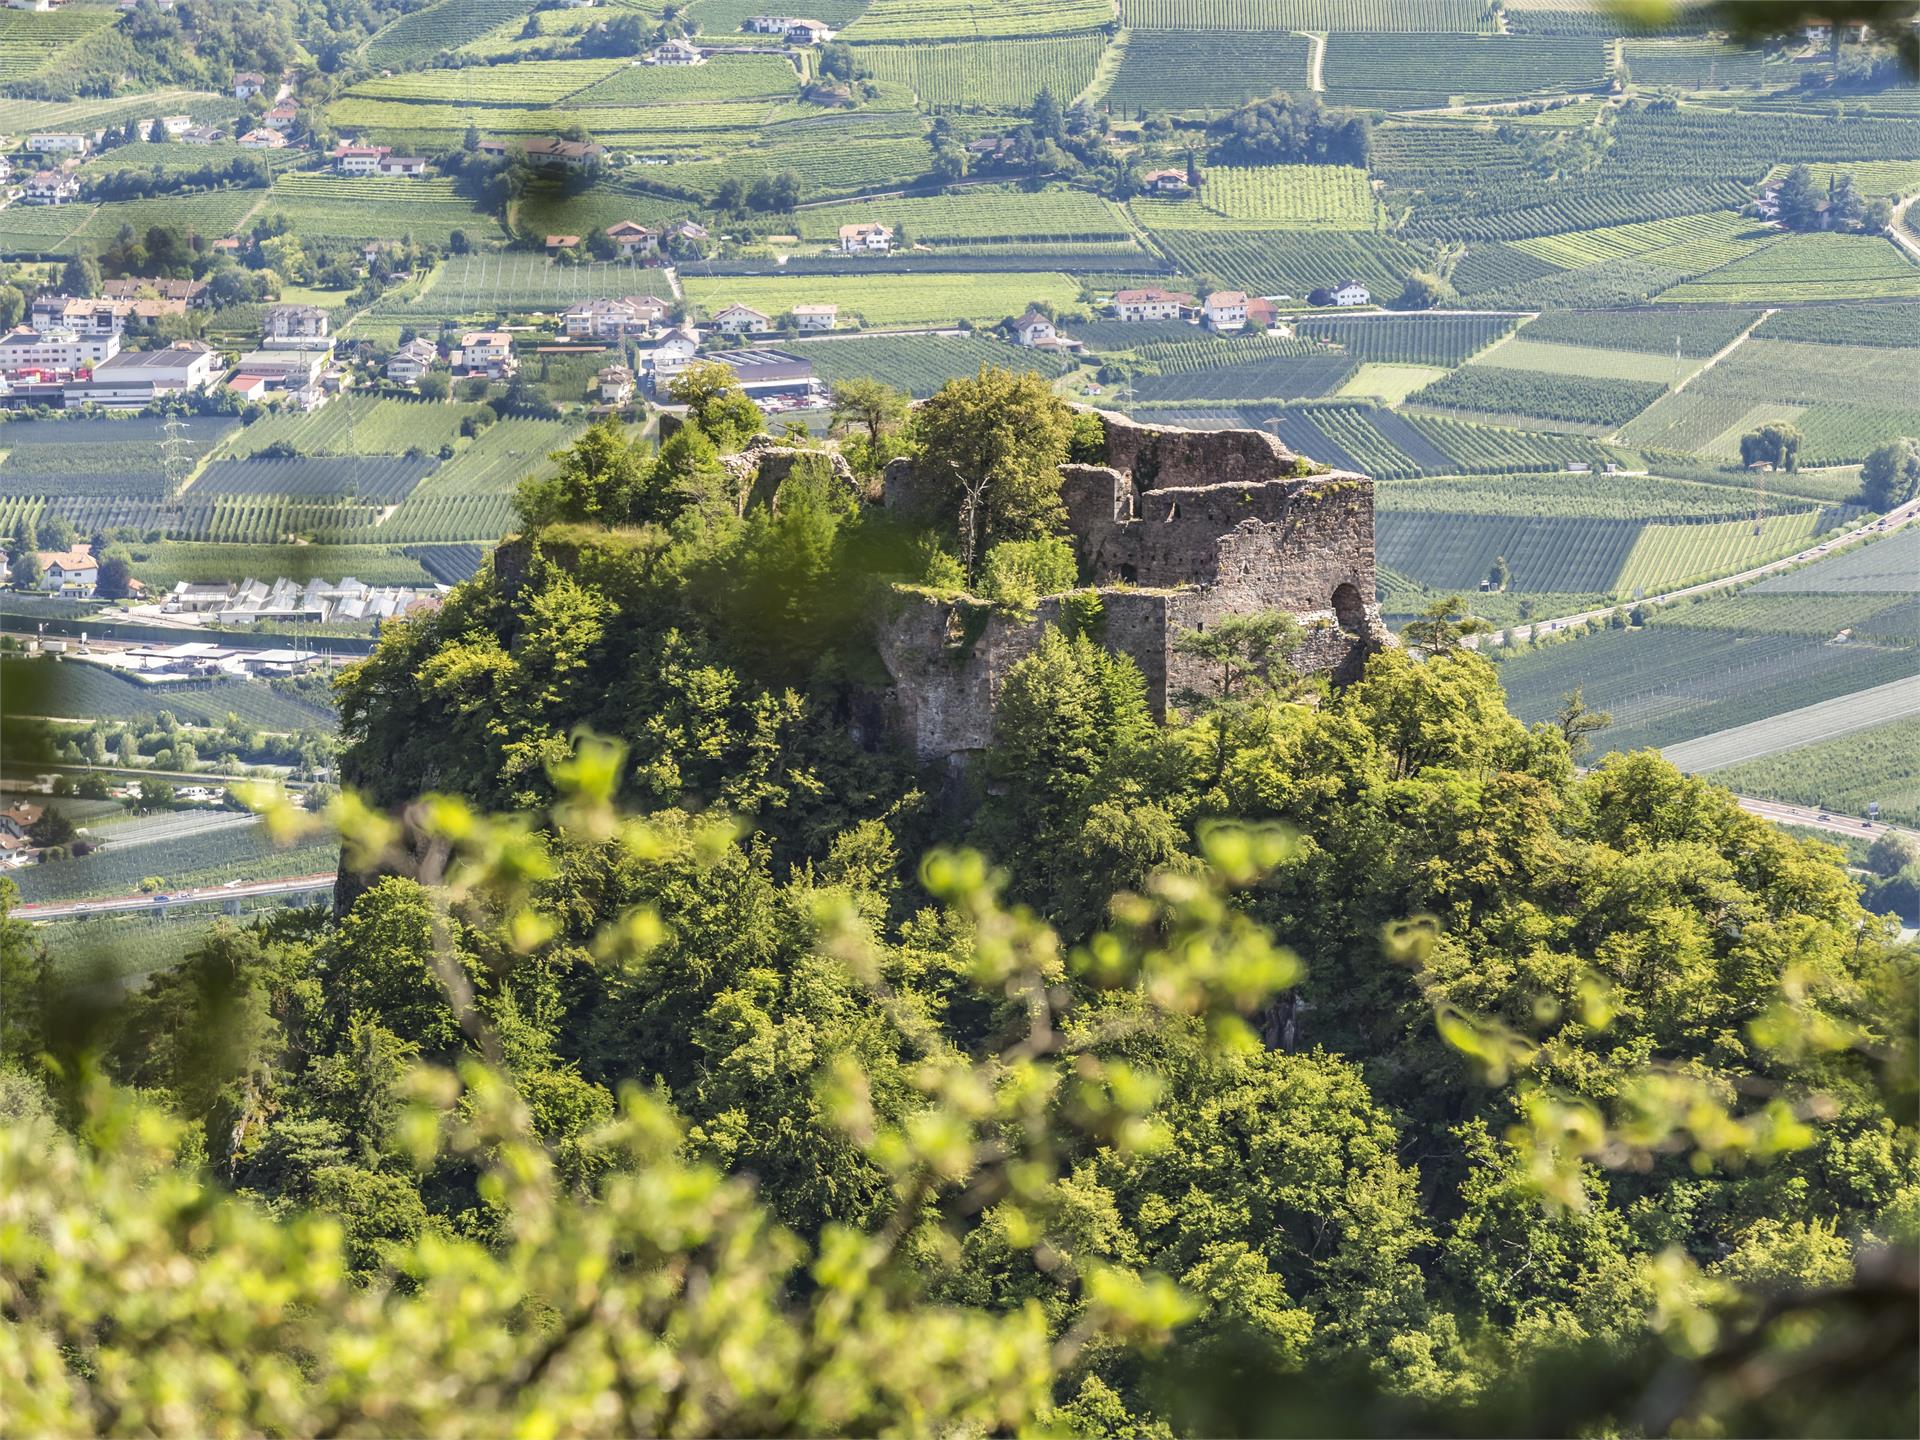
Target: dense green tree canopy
(680, 1065)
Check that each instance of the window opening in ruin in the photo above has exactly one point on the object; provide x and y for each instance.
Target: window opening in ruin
(1349, 609)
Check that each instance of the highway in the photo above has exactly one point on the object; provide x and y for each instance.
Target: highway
(151, 904)
(1815, 819)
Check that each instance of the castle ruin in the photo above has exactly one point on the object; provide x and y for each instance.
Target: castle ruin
(1176, 529)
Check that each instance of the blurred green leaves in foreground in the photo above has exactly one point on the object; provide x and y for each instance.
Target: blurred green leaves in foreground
(620, 1284)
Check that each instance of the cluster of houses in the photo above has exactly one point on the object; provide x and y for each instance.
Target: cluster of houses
(1224, 311)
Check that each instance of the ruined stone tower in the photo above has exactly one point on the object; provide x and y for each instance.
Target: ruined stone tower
(1176, 529)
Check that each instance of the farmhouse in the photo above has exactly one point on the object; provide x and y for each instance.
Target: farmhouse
(295, 327)
(631, 238)
(411, 361)
(868, 239)
(20, 817)
(263, 140)
(741, 320)
(557, 243)
(202, 135)
(807, 32)
(553, 154)
(281, 117)
(247, 84)
(615, 384)
(1262, 312)
(1036, 332)
(412, 167)
(816, 317)
(358, 159)
(485, 352)
(677, 52)
(1350, 292)
(1152, 304)
(69, 572)
(1167, 182)
(1226, 311)
(58, 142)
(688, 230)
(51, 187)
(176, 125)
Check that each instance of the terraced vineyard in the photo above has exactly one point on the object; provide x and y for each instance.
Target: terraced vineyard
(443, 25)
(1207, 70)
(1408, 69)
(1004, 74)
(1705, 240)
(1418, 15)
(30, 42)
(1668, 683)
(1807, 267)
(912, 21)
(1282, 197)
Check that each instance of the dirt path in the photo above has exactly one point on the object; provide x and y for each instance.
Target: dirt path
(1724, 351)
(1317, 61)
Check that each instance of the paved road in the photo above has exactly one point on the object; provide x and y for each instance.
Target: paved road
(1815, 819)
(148, 904)
(1893, 520)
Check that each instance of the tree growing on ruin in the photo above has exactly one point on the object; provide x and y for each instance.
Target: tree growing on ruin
(991, 449)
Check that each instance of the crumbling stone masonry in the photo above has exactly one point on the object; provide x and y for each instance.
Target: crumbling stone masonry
(1175, 530)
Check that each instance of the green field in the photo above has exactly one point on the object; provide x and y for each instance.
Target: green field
(975, 216)
(31, 42)
(1876, 765)
(1547, 357)
(919, 364)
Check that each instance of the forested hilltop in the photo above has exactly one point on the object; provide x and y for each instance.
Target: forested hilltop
(686, 1060)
